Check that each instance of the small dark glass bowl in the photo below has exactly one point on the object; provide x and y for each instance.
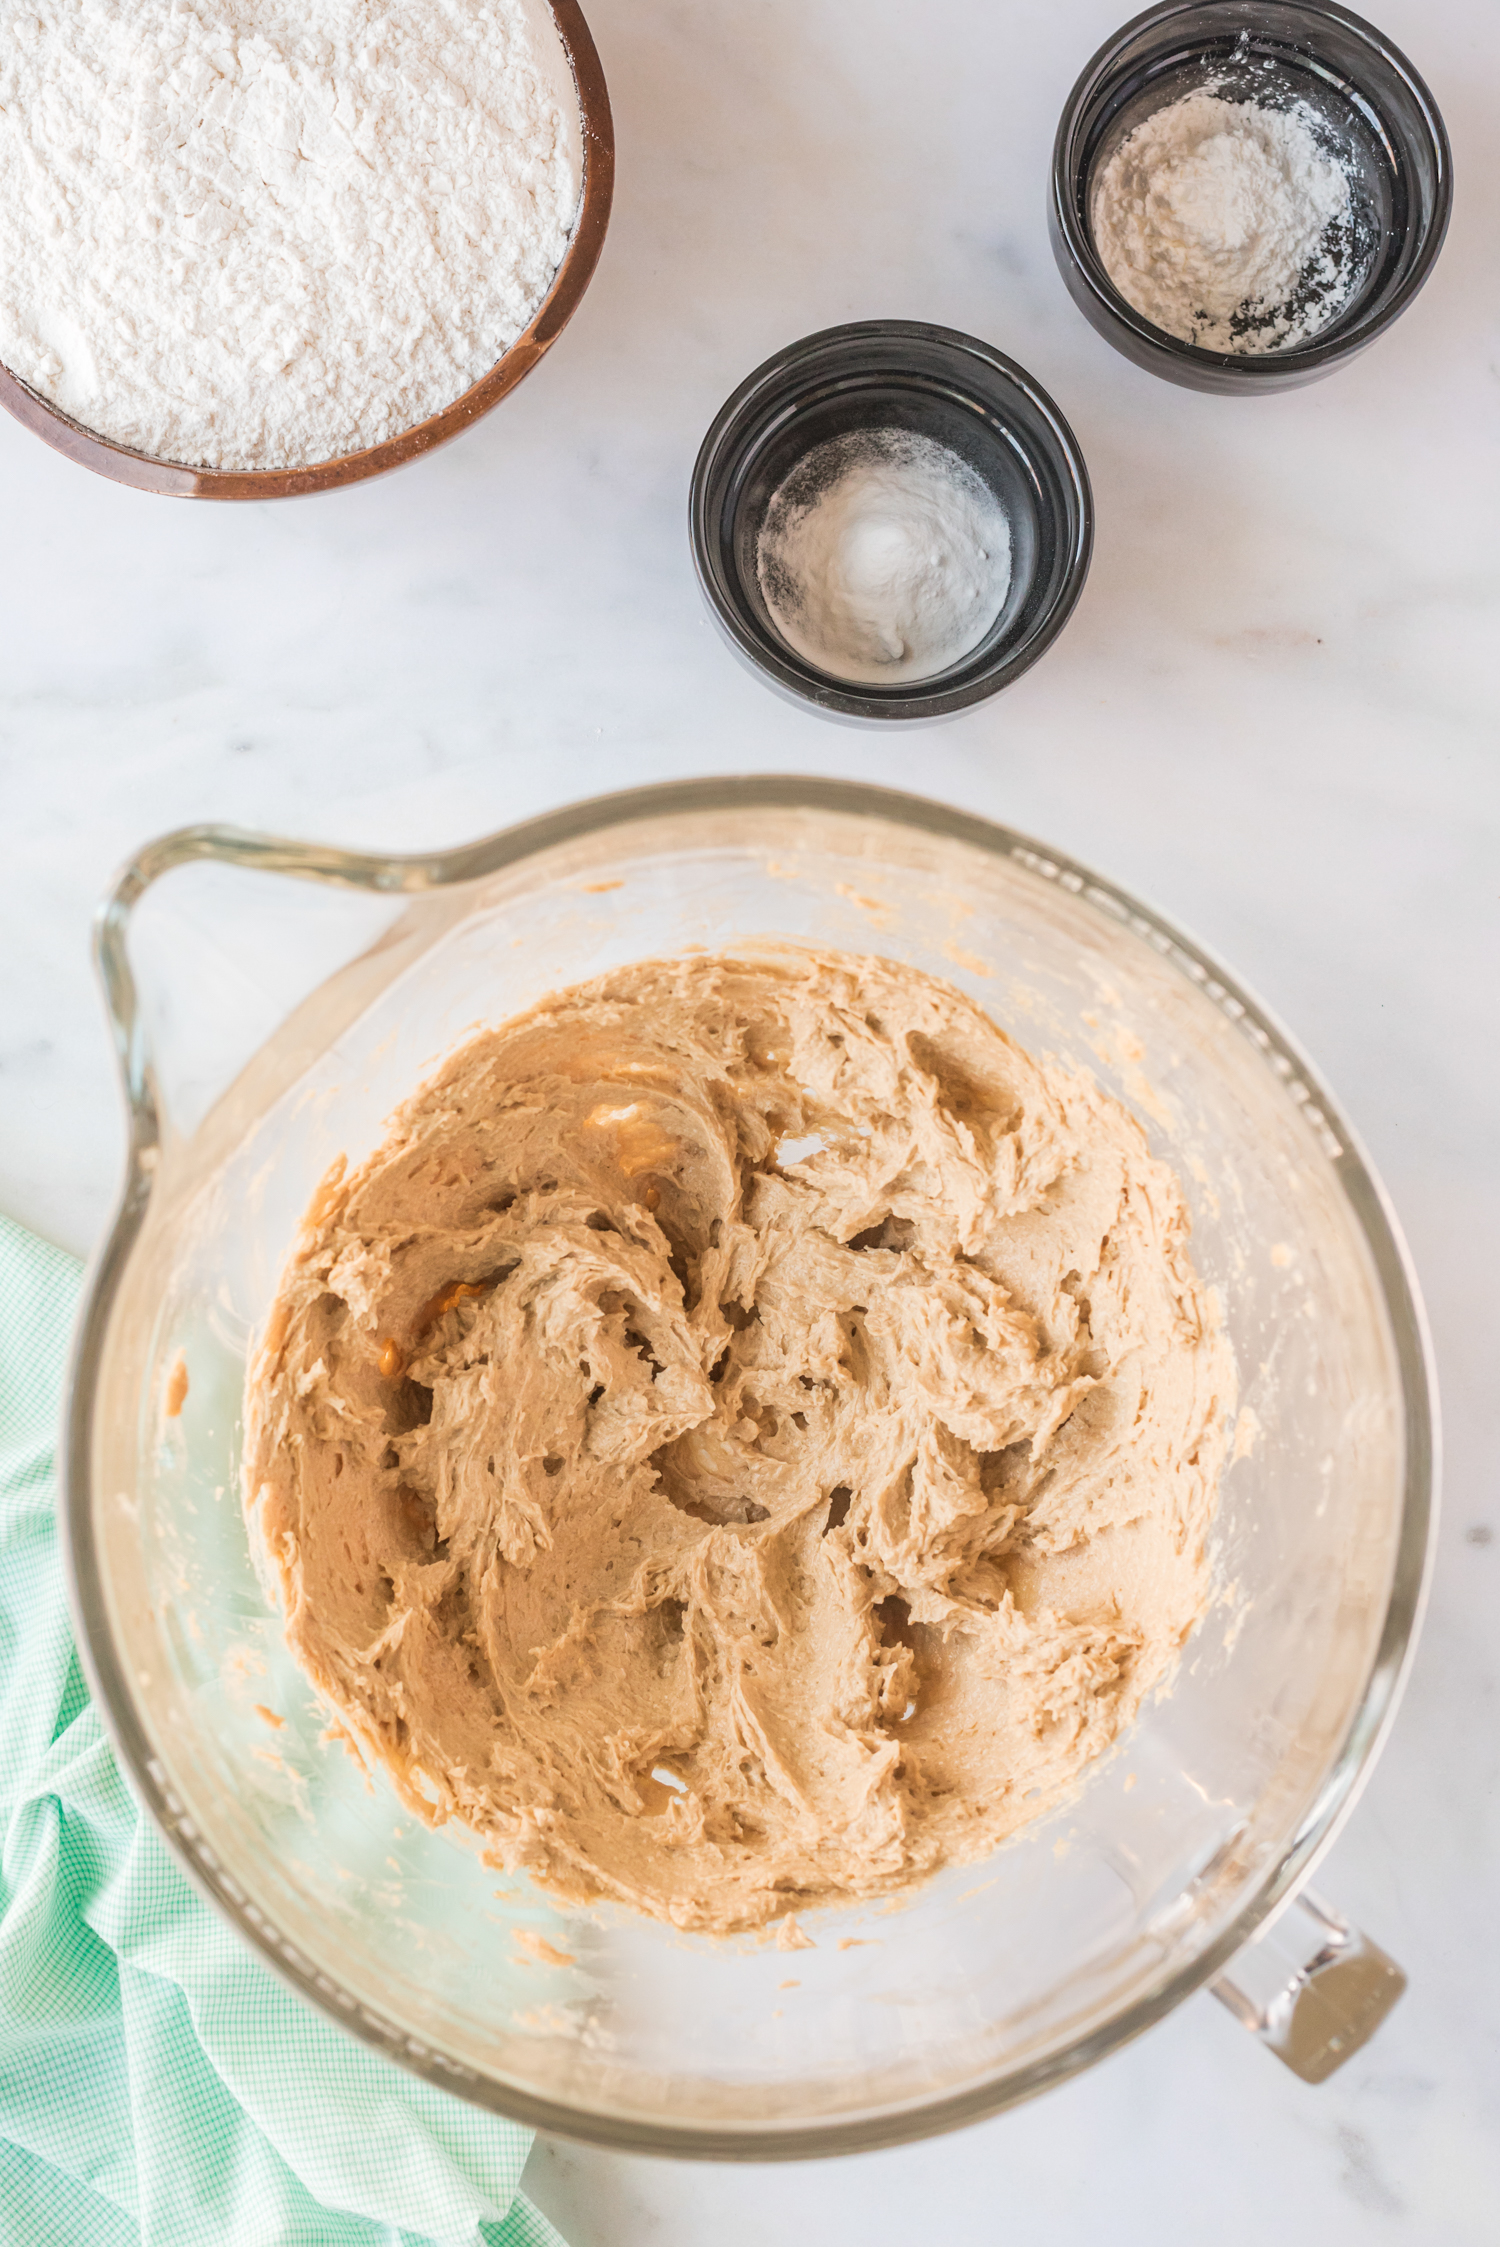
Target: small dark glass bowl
(933, 382)
(1371, 103)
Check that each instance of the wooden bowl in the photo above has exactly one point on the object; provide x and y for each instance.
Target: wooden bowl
(175, 481)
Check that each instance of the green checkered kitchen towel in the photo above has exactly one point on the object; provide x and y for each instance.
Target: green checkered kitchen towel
(158, 2086)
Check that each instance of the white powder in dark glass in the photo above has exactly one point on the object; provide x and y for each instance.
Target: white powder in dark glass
(1227, 224)
(884, 558)
(262, 233)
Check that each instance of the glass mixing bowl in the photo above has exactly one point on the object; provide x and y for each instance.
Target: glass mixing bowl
(994, 1980)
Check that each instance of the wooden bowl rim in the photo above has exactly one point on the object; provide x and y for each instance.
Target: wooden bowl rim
(174, 480)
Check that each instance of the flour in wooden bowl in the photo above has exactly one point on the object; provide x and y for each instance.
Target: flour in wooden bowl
(259, 234)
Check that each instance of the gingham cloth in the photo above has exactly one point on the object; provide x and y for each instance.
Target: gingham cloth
(158, 2086)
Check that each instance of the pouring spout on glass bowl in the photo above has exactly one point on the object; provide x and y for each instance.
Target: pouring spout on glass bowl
(271, 1003)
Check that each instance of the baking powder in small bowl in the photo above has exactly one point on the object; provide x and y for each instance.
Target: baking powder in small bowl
(1228, 224)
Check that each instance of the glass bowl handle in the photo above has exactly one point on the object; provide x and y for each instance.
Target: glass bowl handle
(1311, 1987)
(168, 1014)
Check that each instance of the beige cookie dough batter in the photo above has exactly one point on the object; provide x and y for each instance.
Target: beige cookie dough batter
(745, 1439)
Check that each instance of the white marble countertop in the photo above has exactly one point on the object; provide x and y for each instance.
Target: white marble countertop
(1274, 715)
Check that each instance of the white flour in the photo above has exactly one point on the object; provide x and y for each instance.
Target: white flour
(261, 233)
(1226, 224)
(884, 557)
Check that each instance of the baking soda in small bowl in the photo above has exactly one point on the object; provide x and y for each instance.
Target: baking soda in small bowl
(884, 558)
